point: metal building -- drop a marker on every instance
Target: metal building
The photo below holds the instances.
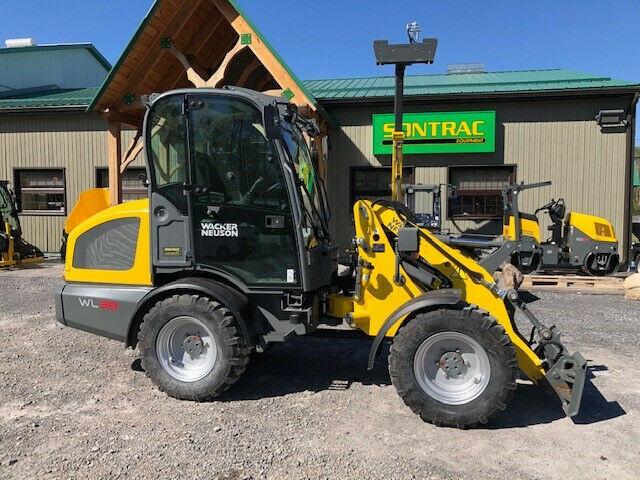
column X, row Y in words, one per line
column 539, row 125
column 572, row 128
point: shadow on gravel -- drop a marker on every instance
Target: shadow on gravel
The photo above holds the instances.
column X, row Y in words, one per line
column 309, row 364
column 532, row 405
column 317, row 364
column 595, row 408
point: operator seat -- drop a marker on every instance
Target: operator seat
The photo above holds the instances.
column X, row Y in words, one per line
column 556, row 213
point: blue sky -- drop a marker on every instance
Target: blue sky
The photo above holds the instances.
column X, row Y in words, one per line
column 332, row 38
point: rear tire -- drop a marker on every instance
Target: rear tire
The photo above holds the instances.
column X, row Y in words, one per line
column 192, row 347
column 445, row 339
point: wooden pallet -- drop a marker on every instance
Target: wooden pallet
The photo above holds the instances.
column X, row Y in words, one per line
column 573, row 284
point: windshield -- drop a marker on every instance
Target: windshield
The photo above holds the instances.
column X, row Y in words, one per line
column 301, row 158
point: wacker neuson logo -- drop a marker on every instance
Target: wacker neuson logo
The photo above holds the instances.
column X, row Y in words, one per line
column 437, row 132
column 213, row 229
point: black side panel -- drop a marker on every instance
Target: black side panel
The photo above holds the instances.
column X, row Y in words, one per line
column 109, row 246
column 170, row 234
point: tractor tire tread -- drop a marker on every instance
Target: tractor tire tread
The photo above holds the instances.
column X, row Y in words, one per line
column 476, row 412
column 235, row 363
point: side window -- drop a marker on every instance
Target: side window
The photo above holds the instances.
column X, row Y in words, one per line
column 41, row 191
column 132, row 187
column 232, row 157
column 168, row 152
column 479, row 191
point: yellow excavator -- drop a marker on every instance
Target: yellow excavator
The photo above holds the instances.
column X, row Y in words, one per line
column 15, row 251
column 231, row 252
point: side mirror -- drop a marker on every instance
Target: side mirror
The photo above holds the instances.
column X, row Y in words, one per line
column 272, row 127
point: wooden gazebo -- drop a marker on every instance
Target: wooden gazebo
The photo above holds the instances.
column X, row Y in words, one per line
column 187, row 43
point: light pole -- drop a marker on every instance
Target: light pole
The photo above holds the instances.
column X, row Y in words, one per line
column 402, row 55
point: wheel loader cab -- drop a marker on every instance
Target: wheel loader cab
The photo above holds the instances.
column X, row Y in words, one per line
column 226, row 192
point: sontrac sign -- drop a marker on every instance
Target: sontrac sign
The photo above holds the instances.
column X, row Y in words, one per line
column 437, row 132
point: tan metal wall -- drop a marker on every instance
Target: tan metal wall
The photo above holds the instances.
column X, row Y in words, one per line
column 73, row 141
column 557, row 140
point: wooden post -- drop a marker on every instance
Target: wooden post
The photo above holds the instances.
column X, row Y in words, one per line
column 114, row 147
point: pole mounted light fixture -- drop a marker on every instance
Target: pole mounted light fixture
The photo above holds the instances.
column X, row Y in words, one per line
column 402, row 55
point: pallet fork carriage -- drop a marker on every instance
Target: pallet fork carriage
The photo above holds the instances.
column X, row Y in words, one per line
column 231, row 253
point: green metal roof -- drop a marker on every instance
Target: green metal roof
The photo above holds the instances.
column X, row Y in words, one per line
column 53, row 98
column 465, row 83
column 60, row 46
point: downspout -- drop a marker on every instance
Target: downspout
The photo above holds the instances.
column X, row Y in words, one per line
column 628, row 214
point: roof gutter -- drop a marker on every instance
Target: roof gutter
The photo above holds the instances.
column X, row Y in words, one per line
column 59, row 108
column 573, row 92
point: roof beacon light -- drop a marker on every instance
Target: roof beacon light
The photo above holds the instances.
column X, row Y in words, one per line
column 414, row 30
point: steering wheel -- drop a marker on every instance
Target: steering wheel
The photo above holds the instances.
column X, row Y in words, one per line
column 546, row 206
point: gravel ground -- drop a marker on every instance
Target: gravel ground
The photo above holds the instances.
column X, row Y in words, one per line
column 74, row 405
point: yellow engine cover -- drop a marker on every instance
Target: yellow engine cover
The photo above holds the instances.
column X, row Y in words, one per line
column 530, row 228
column 596, row 228
column 114, row 266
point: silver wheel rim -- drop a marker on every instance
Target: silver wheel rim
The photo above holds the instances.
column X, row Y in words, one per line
column 186, row 349
column 452, row 368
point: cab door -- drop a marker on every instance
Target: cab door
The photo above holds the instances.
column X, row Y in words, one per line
column 242, row 221
column 168, row 160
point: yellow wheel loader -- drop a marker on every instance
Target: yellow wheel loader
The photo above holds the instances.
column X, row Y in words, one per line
column 14, row 250
column 231, row 253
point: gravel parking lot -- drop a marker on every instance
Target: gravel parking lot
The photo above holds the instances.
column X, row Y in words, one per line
column 74, row 405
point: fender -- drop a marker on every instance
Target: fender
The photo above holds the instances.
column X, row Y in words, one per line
column 231, row 298
column 445, row 296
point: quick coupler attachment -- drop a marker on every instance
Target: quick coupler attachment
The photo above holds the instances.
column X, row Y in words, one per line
column 566, row 376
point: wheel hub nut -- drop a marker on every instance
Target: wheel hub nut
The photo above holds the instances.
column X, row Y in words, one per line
column 193, row 345
column 453, row 365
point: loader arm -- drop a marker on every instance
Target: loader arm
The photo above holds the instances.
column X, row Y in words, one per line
column 381, row 305
column 380, row 297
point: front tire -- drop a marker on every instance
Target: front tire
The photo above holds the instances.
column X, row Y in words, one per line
column 454, row 368
column 192, row 347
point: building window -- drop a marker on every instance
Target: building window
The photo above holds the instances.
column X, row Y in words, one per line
column 132, row 187
column 40, row 191
column 479, row 191
column 375, row 182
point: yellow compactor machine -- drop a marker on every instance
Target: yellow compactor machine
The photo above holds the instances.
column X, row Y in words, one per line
column 231, row 253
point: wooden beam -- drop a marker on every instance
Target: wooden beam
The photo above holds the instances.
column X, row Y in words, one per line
column 253, row 65
column 217, row 78
column 125, row 118
column 265, row 81
column 192, row 75
column 135, row 147
column 276, row 92
column 215, row 81
column 264, row 54
column 178, row 21
column 114, row 148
